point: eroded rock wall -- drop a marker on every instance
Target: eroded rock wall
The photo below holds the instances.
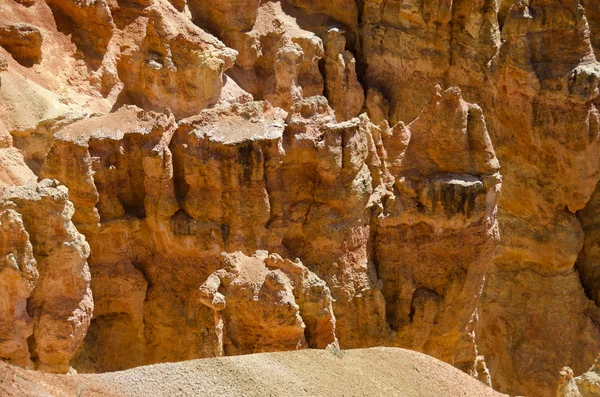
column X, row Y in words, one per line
column 46, row 269
column 274, row 175
column 246, row 177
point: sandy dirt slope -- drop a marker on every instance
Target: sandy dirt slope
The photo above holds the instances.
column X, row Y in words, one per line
column 366, row 372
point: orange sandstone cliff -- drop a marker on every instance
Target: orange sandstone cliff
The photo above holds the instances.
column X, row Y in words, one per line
column 196, row 178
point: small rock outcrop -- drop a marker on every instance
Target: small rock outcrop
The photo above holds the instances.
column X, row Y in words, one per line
column 46, row 268
column 343, row 90
column 23, row 41
column 267, row 303
column 18, row 276
column 173, row 65
column 586, row 385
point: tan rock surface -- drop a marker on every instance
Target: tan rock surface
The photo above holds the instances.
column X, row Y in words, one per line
column 89, row 22
column 585, row 385
column 186, row 129
column 175, row 65
column 38, row 226
column 277, row 61
column 344, row 92
column 546, row 135
column 267, row 303
column 410, row 46
column 18, row 276
column 23, row 42
column 3, row 63
column 448, row 203
column 13, row 169
column 235, row 178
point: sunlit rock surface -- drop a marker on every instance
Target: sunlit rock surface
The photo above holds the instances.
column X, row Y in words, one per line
column 191, row 178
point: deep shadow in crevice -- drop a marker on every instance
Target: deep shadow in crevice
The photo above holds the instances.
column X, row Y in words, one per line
column 587, row 268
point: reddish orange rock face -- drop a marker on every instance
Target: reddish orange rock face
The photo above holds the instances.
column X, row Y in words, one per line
column 190, row 178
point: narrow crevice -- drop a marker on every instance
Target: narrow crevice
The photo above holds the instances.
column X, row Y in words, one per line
column 588, row 276
column 32, row 345
column 181, row 186
column 587, row 288
column 268, row 191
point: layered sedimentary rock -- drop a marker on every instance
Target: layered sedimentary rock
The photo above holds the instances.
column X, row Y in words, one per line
column 17, row 277
column 545, row 129
column 410, row 46
column 23, row 42
column 46, row 269
column 273, row 175
column 277, row 61
column 267, row 303
column 585, row 385
column 173, row 64
column 452, row 198
column 300, row 185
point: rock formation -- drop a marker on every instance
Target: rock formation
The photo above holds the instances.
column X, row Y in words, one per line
column 343, row 90
column 275, row 175
column 173, row 64
column 46, row 279
column 23, row 42
column 586, row 385
column 19, row 274
column 268, row 303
